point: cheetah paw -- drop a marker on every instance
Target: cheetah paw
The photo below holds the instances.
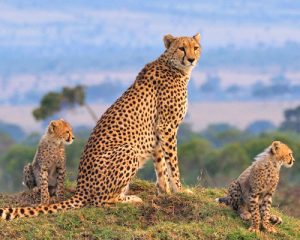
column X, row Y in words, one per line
column 133, row 199
column 254, row 229
column 245, row 216
column 269, row 229
column 276, row 220
column 162, row 191
column 186, row 190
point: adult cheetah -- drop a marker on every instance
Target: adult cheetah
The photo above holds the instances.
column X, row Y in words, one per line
column 141, row 124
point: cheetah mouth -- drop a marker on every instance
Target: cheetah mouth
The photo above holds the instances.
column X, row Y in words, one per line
column 289, row 164
column 69, row 141
column 188, row 65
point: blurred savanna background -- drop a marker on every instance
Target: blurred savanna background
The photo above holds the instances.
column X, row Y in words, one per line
column 72, row 59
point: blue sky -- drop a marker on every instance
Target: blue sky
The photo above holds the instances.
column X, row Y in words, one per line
column 240, row 23
column 45, row 45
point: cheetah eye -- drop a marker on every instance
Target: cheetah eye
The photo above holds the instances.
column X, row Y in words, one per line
column 181, row 49
column 196, row 48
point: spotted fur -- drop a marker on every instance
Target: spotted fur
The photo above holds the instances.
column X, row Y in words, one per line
column 141, row 124
column 47, row 171
column 251, row 194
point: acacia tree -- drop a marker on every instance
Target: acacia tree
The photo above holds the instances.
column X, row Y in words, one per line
column 292, row 120
column 54, row 102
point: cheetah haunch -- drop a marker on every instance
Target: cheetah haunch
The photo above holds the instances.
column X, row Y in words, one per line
column 251, row 194
column 141, row 124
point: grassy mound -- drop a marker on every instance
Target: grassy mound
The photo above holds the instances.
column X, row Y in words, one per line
column 177, row 216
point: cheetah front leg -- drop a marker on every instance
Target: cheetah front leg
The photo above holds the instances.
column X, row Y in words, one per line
column 254, row 211
column 43, row 180
column 162, row 176
column 265, row 212
column 169, row 147
column 61, row 180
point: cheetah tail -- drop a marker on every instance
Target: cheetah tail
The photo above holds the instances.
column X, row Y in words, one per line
column 18, row 212
column 225, row 200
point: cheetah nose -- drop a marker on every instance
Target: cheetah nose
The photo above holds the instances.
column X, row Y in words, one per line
column 191, row 60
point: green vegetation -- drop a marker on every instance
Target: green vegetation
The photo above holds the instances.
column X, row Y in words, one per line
column 177, row 216
column 205, row 159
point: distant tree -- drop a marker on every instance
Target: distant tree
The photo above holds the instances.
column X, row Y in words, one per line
column 280, row 86
column 50, row 104
column 76, row 96
column 185, row 133
column 54, row 102
column 292, row 120
column 233, row 89
column 222, row 133
column 280, row 79
column 192, row 157
column 233, row 159
column 212, row 84
column 32, row 139
column 12, row 164
column 5, row 142
column 260, row 126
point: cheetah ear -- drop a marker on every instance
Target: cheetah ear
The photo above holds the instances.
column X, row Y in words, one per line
column 168, row 39
column 52, row 125
column 275, row 146
column 197, row 37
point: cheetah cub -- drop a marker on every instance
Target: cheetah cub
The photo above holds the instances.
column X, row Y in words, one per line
column 251, row 193
column 47, row 171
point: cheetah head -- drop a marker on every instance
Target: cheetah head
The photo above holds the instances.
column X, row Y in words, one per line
column 282, row 153
column 61, row 130
column 183, row 52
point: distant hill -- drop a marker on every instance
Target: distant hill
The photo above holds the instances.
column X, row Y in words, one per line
column 211, row 90
column 12, row 130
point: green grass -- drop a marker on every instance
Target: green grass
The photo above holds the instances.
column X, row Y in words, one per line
column 177, row 216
